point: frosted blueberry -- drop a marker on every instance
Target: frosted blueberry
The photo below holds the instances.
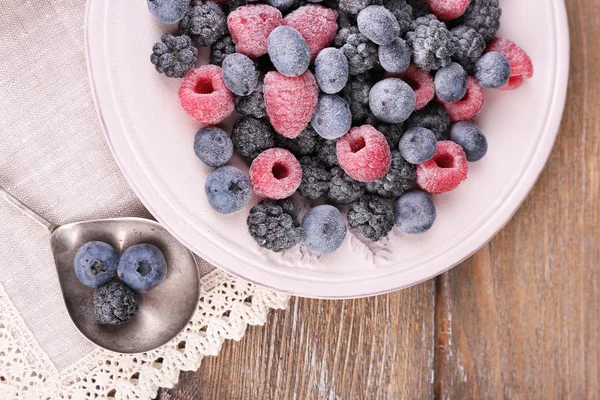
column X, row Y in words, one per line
column 240, row 74
column 394, row 57
column 227, row 189
column 492, row 70
column 415, row 212
column 392, row 100
column 288, row 51
column 451, row 83
column 332, row 118
column 331, row 70
column 418, row 145
column 378, row 24
column 281, row 4
column 168, row 11
column 470, row 138
column 213, row 146
column 325, row 229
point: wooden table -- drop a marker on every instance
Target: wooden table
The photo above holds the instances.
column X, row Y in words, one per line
column 518, row 320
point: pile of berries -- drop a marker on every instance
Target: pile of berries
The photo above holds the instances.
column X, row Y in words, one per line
column 362, row 103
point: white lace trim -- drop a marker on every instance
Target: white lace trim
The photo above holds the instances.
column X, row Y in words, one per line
column 227, row 306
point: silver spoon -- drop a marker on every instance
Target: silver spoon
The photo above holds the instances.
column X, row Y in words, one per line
column 164, row 311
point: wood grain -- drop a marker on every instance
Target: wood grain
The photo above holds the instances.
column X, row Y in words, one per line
column 518, row 320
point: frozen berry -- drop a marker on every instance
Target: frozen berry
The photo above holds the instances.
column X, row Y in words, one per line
column 371, row 216
column 227, row 189
column 394, row 57
column 356, row 94
column 392, row 133
column 433, row 117
column 331, row 70
column 431, row 43
column 250, row 27
column 213, row 146
column 358, row 49
column 288, row 51
column 174, row 56
column 114, row 303
column 492, row 70
column 281, row 4
column 392, row 100
column 364, row 154
column 332, row 118
column 252, row 105
column 315, row 178
column 251, row 136
column 521, row 67
column 400, row 177
column 343, row 189
column 327, row 152
column 302, row 145
column 422, row 84
column 470, row 138
column 469, row 106
column 469, row 45
column 419, row 7
column 204, row 96
column 204, row 22
column 317, row 24
column 142, row 267
column 275, row 174
column 484, row 17
column 451, row 83
column 353, row 6
column 403, row 13
column 220, row 49
column 447, row 10
column 168, row 11
column 445, row 171
column 240, row 74
column 289, row 117
column 95, row 263
column 274, row 225
column 378, row 24
column 325, row 229
column 415, row 212
column 418, row 145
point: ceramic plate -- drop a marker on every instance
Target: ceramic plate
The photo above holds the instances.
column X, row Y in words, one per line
column 151, row 138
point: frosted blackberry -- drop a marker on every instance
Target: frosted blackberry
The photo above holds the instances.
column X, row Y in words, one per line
column 433, row 117
column 325, row 229
column 431, row 43
column 274, row 225
column 315, row 178
column 353, row 6
column 484, row 17
column 392, row 133
column 115, row 303
column 418, row 145
column 395, row 57
column 492, row 70
column 469, row 46
column 415, row 212
column 468, row 136
column 371, row 216
column 174, row 56
column 392, row 100
column 403, row 13
column 332, row 118
column 326, row 151
column 356, row 94
column 331, row 70
column 252, row 105
column 360, row 51
column 342, row 188
column 451, row 83
column 400, row 178
column 419, row 7
column 204, row 22
column 168, row 11
column 220, row 49
column 213, row 146
column 302, row 145
column 251, row 136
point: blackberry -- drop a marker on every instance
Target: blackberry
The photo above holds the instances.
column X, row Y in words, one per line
column 371, row 216
column 431, row 43
column 343, row 189
column 399, row 179
column 392, row 133
column 251, row 136
column 274, row 225
column 484, row 17
column 356, row 94
column 220, row 49
column 433, row 117
column 315, row 178
column 174, row 56
column 115, row 303
column 204, row 22
column 419, row 8
column 302, row 145
column 326, row 151
column 403, row 13
column 469, row 46
column 252, row 105
column 360, row 51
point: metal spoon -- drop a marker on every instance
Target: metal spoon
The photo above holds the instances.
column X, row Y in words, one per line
column 164, row 311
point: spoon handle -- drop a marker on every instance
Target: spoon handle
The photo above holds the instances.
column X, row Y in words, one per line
column 26, row 210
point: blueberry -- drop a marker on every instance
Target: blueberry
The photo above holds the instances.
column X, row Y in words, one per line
column 331, row 70
column 168, row 11
column 378, row 24
column 332, row 118
column 281, row 4
column 418, row 145
column 95, row 263
column 470, row 138
column 227, row 189
column 415, row 212
column 213, row 146
column 492, row 70
column 240, row 74
column 325, row 229
column 142, row 267
column 394, row 57
column 451, row 83
column 288, row 51
column 392, row 100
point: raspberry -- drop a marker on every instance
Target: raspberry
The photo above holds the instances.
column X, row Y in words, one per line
column 422, row 84
column 204, row 96
column 445, row 171
column 521, row 67
column 290, row 102
column 447, row 10
column 250, row 27
column 469, row 106
column 317, row 24
column 275, row 174
column 433, row 117
column 364, row 154
column 274, row 225
column 371, row 216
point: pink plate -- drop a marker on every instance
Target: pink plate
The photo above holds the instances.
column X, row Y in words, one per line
column 151, row 138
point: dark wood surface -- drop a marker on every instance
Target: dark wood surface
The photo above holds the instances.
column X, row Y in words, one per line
column 519, row 320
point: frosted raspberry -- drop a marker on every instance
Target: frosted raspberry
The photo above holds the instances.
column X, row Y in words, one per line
column 275, row 174
column 521, row 67
column 447, row 10
column 445, row 171
column 421, row 82
column 363, row 153
column 204, row 96
column 290, row 101
column 317, row 25
column 469, row 106
column 250, row 27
